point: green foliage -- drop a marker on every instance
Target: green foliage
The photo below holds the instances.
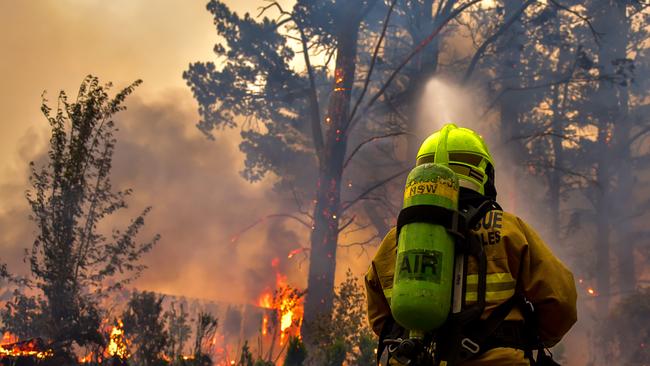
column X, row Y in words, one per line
column 254, row 80
column 145, row 326
column 22, row 316
column 296, row 352
column 346, row 335
column 366, row 355
column 336, row 352
column 71, row 261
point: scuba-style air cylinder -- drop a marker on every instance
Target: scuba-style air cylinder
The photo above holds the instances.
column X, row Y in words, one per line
column 424, row 271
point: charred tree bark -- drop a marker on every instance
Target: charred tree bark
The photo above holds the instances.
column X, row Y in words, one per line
column 324, row 236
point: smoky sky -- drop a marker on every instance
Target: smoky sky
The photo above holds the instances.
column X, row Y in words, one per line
column 200, row 202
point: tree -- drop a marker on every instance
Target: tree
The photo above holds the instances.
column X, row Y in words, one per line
column 206, row 328
column 347, row 333
column 145, row 326
column 179, row 330
column 257, row 82
column 298, row 121
column 296, row 353
column 71, row 260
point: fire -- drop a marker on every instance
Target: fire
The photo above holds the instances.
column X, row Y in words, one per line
column 8, row 338
column 117, row 346
column 294, row 252
column 87, row 358
column 286, row 305
column 591, row 291
column 266, row 301
column 11, row 347
column 265, row 324
column 286, row 321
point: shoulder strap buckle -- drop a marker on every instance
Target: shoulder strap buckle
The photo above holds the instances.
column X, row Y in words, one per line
column 470, row 346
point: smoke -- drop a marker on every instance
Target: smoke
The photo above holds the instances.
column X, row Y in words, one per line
column 199, row 203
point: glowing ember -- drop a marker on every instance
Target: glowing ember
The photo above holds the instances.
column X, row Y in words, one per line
column 591, row 291
column 338, row 76
column 87, row 358
column 294, row 252
column 117, row 346
column 8, row 338
column 10, row 347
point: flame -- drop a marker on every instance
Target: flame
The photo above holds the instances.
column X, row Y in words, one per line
column 591, row 291
column 286, row 305
column 11, row 347
column 266, row 301
column 265, row 324
column 118, row 345
column 286, row 321
column 294, row 252
column 87, row 358
column 8, row 338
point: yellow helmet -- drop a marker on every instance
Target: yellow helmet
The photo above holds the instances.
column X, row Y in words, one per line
column 469, row 157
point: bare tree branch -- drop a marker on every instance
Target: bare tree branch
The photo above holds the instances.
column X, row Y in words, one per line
column 494, row 37
column 357, row 229
column 551, row 133
column 367, row 141
column 348, row 223
column 314, row 107
column 373, row 60
column 565, row 80
column 349, row 204
column 236, row 237
column 585, row 19
column 639, row 134
column 415, row 51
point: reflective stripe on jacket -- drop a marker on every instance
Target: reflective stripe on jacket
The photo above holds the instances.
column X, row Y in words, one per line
column 517, row 258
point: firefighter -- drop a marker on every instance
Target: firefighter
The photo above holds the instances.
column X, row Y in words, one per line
column 524, row 280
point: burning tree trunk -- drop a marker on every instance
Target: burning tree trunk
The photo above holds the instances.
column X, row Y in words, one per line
column 324, row 236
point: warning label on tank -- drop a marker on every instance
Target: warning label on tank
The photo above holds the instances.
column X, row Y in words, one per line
column 419, row 265
column 440, row 187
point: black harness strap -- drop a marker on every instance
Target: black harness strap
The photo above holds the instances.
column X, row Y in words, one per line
column 464, row 335
column 455, row 346
column 390, row 330
column 451, row 220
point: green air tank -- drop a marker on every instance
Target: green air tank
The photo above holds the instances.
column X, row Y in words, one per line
column 422, row 283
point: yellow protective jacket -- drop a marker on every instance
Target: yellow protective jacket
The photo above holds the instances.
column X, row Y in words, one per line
column 517, row 258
